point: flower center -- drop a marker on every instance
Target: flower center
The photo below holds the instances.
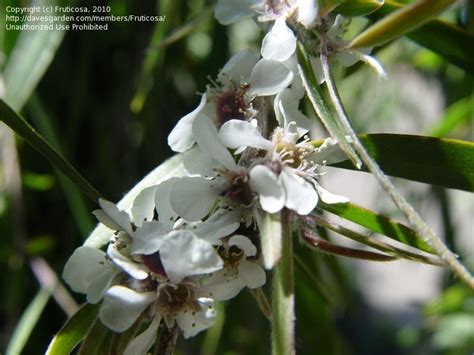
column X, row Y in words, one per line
column 239, row 190
column 231, row 257
column 175, row 298
column 231, row 105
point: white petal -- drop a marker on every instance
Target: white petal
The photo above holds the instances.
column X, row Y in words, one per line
column 181, row 137
column 329, row 197
column 244, row 244
column 237, row 133
column 143, row 208
column 137, row 271
column 269, row 77
column 286, row 110
column 86, row 265
column 166, row 213
column 193, row 197
column 328, row 153
column 301, row 196
column 265, row 183
column 238, row 68
column 122, row 306
column 100, row 283
column 221, row 287
column 147, row 239
column 183, row 254
column 112, row 217
column 143, row 342
column 252, row 273
column 220, row 224
column 196, row 162
column 230, row 11
column 280, row 43
column 307, row 12
column 206, row 136
column 191, row 324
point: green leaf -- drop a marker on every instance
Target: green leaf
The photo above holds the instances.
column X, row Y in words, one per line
column 378, row 223
column 170, row 168
column 31, row 56
column 438, row 161
column 28, row 133
column 449, row 41
column 400, row 22
column 320, row 105
column 27, row 322
column 326, row 6
column 74, row 330
column 354, row 8
column 459, row 112
column 98, row 340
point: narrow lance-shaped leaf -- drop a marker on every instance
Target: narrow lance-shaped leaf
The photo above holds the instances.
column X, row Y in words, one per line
column 400, row 22
column 322, row 109
column 31, row 56
column 74, row 330
column 354, row 8
column 27, row 322
column 29, row 134
column 449, row 41
column 439, row 161
column 378, row 223
column 98, row 340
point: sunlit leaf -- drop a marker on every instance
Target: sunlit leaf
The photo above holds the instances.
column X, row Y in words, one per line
column 400, row 22
column 73, row 331
column 31, row 56
column 377, row 223
column 439, row 161
column 449, row 41
column 27, row 322
column 354, row 8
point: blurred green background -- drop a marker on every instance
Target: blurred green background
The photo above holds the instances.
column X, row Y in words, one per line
column 107, row 101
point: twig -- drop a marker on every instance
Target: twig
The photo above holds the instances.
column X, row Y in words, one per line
column 413, row 217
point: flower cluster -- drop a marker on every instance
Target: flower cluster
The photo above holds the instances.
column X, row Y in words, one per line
column 193, row 240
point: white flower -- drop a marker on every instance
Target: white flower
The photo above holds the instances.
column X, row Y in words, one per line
column 279, row 43
column 337, row 48
column 286, row 176
column 181, row 252
column 180, row 303
column 241, row 269
column 244, row 78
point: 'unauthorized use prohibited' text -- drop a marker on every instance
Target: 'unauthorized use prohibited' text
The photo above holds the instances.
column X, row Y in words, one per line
column 68, row 18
